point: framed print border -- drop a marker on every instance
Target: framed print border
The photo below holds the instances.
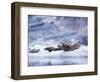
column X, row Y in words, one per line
column 16, row 41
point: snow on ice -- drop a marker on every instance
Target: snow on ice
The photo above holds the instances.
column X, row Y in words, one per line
column 45, row 58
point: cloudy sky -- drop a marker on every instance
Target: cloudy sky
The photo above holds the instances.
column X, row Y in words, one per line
column 57, row 29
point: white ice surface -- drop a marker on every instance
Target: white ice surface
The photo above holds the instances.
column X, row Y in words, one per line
column 45, row 58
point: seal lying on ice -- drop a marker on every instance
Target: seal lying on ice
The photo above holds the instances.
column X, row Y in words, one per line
column 64, row 46
column 34, row 50
column 69, row 47
column 52, row 49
